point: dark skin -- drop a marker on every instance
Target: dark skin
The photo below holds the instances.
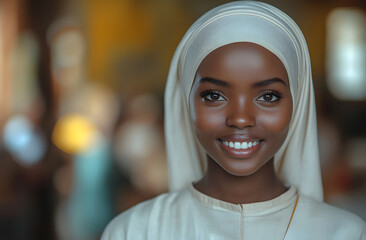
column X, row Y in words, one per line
column 241, row 108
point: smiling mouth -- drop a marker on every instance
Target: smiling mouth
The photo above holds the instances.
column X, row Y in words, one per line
column 240, row 145
column 240, row 149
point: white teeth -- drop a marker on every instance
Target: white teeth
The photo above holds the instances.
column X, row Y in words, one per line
column 240, row 145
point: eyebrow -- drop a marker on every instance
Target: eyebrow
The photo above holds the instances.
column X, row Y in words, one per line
column 215, row 81
column 269, row 82
column 257, row 84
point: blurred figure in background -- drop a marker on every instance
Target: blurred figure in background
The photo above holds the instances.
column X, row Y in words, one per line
column 140, row 148
column 87, row 115
column 28, row 160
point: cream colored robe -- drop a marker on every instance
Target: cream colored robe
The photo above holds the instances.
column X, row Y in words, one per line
column 189, row 214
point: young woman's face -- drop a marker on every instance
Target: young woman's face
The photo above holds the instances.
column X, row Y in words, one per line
column 241, row 106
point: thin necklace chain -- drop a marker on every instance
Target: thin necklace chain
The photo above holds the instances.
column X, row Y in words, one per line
column 292, row 215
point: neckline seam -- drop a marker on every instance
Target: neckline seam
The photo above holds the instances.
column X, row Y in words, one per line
column 265, row 207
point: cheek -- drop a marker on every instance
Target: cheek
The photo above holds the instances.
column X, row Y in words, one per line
column 208, row 119
column 277, row 122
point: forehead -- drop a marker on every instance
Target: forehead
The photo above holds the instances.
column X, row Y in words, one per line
column 242, row 59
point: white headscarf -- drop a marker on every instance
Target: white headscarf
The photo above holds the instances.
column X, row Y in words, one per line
column 297, row 161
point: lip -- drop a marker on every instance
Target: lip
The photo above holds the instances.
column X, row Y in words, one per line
column 251, row 145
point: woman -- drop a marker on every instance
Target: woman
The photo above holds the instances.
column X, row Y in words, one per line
column 241, row 137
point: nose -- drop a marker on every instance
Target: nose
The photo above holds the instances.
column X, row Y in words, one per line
column 240, row 114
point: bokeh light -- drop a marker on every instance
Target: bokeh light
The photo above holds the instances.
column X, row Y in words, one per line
column 74, row 133
column 346, row 55
column 23, row 140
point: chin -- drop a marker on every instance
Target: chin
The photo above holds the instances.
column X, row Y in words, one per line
column 238, row 170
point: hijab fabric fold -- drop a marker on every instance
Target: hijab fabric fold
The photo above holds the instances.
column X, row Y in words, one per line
column 297, row 161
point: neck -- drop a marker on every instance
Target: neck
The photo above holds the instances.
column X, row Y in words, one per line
column 260, row 186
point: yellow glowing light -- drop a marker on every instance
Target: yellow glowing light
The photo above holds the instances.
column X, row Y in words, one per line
column 73, row 133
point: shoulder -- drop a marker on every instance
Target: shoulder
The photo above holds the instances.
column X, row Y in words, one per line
column 138, row 221
column 322, row 210
column 325, row 219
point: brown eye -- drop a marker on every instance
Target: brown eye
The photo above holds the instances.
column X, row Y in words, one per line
column 212, row 96
column 270, row 97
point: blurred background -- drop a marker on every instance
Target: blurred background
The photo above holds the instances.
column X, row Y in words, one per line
column 81, row 106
